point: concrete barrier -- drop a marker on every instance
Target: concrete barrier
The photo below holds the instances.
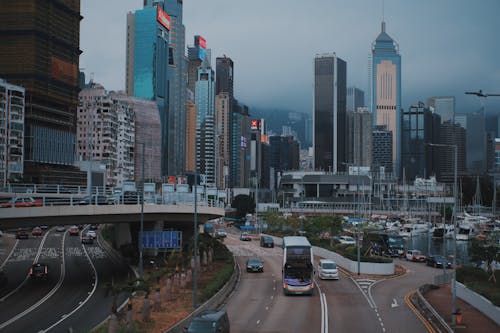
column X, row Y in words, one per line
column 479, row 302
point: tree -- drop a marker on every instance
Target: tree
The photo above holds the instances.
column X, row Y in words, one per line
column 487, row 250
column 243, row 204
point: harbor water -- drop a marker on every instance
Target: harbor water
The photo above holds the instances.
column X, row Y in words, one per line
column 429, row 245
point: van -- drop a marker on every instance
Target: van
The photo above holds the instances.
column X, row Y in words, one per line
column 209, row 321
column 266, row 241
column 327, row 269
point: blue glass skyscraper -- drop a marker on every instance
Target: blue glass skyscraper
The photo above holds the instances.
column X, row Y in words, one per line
column 385, row 89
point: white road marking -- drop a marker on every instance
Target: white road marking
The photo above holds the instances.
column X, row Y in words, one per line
column 394, row 304
column 10, row 254
column 258, row 322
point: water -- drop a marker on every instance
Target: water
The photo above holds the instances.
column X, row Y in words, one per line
column 438, row 246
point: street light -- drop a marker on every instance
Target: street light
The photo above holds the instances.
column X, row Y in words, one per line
column 454, row 274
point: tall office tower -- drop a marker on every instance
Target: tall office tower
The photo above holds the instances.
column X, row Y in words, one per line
column 329, row 113
column 224, row 68
column 190, row 131
column 385, row 89
column 240, row 170
column 205, row 124
column 382, row 149
column 147, row 65
column 284, row 154
column 451, row 134
column 177, row 81
column 355, row 99
column 198, row 55
column 259, row 155
column 419, row 128
column 444, row 106
column 476, row 144
column 106, row 133
column 359, row 137
column 497, row 154
column 223, row 136
column 40, row 52
column 12, row 101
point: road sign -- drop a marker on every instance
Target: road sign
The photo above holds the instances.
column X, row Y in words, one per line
column 161, row 239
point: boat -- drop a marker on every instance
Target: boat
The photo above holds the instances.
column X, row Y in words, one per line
column 465, row 231
column 413, row 229
column 442, row 230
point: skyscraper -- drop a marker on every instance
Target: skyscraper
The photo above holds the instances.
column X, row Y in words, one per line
column 223, row 136
column 359, row 137
column 355, row 99
column 444, row 106
column 382, row 149
column 147, row 64
column 451, row 134
column 177, row 80
column 205, row 124
column 224, row 68
column 40, row 51
column 385, row 89
column 329, row 113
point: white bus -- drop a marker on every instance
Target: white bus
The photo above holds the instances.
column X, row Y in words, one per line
column 297, row 270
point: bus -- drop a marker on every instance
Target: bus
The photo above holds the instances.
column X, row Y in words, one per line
column 297, row 269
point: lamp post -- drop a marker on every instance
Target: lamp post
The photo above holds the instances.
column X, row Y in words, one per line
column 454, row 273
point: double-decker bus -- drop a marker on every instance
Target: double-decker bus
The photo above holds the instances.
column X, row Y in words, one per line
column 297, row 266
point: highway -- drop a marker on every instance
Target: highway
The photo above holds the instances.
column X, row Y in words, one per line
column 74, row 295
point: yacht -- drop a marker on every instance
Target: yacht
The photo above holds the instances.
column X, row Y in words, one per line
column 465, row 231
column 442, row 230
column 413, row 229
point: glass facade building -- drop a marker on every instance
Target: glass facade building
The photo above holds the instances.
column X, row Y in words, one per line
column 444, row 106
column 329, row 113
column 385, row 89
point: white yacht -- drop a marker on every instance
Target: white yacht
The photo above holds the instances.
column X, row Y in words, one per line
column 465, row 231
column 413, row 229
column 442, row 230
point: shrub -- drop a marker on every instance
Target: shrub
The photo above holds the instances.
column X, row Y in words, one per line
column 219, row 280
column 476, row 279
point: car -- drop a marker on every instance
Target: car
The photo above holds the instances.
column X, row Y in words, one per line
column 327, row 269
column 44, row 227
column 98, row 199
column 415, row 255
column 94, row 226
column 92, row 233
column 1, row 233
column 22, row 202
column 436, row 260
column 39, row 271
column 37, row 231
column 266, row 241
column 347, row 240
column 87, row 239
column 255, row 265
column 245, row 236
column 22, row 233
column 74, row 231
column 209, row 321
column 60, row 228
column 220, row 233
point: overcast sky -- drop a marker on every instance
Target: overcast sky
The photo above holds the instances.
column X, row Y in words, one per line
column 446, row 46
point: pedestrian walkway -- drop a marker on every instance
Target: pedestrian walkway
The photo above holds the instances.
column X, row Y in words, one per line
column 472, row 319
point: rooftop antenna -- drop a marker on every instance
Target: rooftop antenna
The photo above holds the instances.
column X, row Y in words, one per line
column 383, row 10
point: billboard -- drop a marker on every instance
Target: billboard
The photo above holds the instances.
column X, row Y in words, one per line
column 255, row 124
column 64, row 71
column 163, row 18
column 202, row 42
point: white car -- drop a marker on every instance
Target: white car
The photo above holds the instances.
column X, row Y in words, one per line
column 92, row 234
column 347, row 240
column 327, row 269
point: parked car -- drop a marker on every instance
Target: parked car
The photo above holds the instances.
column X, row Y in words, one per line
column 255, row 265
column 327, row 269
column 39, row 271
column 74, row 231
column 415, row 255
column 220, row 233
column 37, row 231
column 347, row 240
column 209, row 321
column 266, row 241
column 22, row 233
column 437, row 261
column 245, row 236
column 22, row 202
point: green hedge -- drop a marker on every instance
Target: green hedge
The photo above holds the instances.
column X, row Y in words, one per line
column 476, row 279
column 349, row 251
column 219, row 280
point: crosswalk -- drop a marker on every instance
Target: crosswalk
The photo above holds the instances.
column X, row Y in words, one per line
column 365, row 284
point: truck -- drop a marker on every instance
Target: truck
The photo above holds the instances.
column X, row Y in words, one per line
column 384, row 243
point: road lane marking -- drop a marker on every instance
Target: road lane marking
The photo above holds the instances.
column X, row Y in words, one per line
column 394, row 304
column 94, row 284
column 10, row 254
column 45, row 298
column 258, row 322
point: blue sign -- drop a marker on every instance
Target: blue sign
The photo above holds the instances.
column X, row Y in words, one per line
column 161, row 239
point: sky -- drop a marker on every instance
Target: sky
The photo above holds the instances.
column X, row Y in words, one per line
column 447, row 47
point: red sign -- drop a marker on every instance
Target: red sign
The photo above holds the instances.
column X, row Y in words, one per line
column 171, row 179
column 163, row 18
column 254, row 124
column 202, row 42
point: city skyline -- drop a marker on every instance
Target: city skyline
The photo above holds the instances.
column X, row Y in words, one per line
column 441, row 55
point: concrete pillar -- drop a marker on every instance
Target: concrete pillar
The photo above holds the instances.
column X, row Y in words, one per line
column 152, row 226
column 122, row 234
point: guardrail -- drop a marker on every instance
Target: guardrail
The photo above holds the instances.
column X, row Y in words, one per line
column 428, row 311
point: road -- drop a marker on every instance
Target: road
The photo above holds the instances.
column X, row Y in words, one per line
column 75, row 293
